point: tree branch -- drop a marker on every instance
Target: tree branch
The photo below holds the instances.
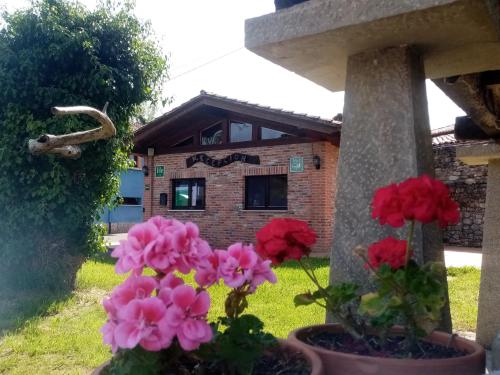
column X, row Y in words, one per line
column 65, row 144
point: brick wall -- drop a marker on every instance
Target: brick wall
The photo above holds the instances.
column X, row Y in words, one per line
column 468, row 187
column 311, row 193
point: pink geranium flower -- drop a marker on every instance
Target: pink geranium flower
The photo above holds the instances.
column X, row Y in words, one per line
column 162, row 255
column 260, row 273
column 130, row 253
column 192, row 250
column 108, row 335
column 167, row 285
column 142, row 322
column 187, row 317
column 234, row 262
column 135, row 287
column 207, row 273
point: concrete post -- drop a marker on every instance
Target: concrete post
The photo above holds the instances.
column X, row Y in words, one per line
column 488, row 319
column 385, row 138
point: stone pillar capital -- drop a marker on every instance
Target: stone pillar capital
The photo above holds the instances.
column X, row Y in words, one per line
column 479, row 153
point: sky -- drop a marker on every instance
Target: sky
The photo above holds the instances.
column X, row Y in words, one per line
column 205, row 42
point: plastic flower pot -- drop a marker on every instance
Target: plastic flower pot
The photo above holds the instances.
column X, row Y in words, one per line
column 336, row 363
column 312, row 358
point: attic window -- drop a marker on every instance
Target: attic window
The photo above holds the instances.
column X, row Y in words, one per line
column 187, row 142
column 212, row 135
column 240, row 132
column 266, row 133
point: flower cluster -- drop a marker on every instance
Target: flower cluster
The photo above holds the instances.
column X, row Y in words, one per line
column 407, row 293
column 389, row 251
column 284, row 239
column 423, row 199
column 151, row 311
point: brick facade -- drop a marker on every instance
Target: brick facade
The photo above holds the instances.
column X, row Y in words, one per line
column 468, row 187
column 224, row 220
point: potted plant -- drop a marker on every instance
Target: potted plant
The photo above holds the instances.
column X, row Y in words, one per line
column 390, row 330
column 157, row 321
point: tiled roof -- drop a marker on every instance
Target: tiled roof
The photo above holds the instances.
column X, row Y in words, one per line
column 271, row 109
column 444, row 136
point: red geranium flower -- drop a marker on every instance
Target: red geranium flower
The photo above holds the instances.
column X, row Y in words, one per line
column 389, row 251
column 421, row 198
column 284, row 239
column 386, row 205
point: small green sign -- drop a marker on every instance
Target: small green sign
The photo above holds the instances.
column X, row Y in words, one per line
column 160, row 171
column 296, row 164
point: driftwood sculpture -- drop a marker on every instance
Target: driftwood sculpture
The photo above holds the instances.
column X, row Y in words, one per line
column 65, row 145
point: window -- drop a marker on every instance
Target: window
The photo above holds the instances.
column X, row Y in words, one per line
column 188, row 194
column 138, row 161
column 131, row 201
column 187, row 142
column 266, row 133
column 212, row 135
column 266, row 192
column 240, row 132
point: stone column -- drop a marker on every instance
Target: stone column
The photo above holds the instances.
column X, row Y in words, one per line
column 488, row 318
column 385, row 138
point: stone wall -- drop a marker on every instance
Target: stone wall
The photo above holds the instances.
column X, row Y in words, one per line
column 468, row 187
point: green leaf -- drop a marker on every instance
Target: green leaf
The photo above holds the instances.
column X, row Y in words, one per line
column 303, row 299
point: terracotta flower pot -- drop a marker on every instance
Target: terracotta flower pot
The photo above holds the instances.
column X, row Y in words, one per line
column 312, row 358
column 336, row 363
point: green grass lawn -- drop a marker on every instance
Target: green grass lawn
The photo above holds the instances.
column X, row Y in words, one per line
column 66, row 338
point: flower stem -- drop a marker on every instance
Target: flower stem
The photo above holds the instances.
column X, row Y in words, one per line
column 409, row 241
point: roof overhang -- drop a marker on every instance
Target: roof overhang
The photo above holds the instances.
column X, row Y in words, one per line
column 176, row 120
column 315, row 38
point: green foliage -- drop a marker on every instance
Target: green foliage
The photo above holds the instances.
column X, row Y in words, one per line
column 240, row 345
column 334, row 295
column 59, row 53
column 134, row 361
column 412, row 296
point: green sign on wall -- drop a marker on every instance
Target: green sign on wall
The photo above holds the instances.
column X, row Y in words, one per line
column 296, row 164
column 160, row 171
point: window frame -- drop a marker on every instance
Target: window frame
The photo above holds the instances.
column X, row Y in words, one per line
column 267, row 192
column 223, row 135
column 231, row 122
column 261, row 129
column 190, row 192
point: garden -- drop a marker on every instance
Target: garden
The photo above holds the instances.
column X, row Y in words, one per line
column 165, row 301
column 65, row 338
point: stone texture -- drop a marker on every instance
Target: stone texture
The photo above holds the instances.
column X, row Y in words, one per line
column 467, row 184
column 315, row 39
column 488, row 320
column 385, row 138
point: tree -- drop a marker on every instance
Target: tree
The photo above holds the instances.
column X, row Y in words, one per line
column 58, row 53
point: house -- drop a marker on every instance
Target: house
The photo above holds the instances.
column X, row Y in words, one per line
column 231, row 166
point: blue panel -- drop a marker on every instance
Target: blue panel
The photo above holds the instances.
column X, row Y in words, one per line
column 132, row 186
column 132, row 183
column 127, row 214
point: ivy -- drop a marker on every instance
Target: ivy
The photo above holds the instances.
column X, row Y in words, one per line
column 58, row 52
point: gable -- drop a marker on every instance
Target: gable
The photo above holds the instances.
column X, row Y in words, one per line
column 208, row 123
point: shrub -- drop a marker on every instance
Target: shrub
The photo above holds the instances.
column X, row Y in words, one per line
column 59, row 53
